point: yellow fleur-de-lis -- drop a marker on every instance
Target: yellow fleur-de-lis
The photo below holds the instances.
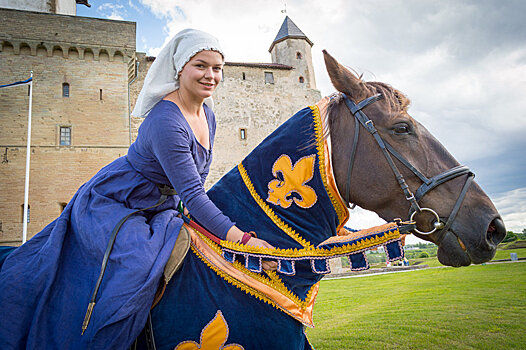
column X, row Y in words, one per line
column 294, row 180
column 213, row 337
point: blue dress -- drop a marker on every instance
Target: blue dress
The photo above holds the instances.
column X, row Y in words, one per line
column 46, row 284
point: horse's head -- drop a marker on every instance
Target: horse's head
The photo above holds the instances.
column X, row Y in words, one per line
column 469, row 237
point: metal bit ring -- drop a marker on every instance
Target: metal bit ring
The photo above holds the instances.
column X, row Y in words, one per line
column 437, row 224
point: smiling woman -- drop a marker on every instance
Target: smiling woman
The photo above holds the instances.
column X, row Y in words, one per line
column 119, row 229
column 198, row 79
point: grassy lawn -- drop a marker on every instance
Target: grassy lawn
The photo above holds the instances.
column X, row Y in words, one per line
column 505, row 254
column 500, row 254
column 475, row 307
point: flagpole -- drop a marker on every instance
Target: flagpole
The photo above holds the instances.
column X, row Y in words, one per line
column 26, row 188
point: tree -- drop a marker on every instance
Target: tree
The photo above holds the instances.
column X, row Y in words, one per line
column 423, row 255
column 510, row 237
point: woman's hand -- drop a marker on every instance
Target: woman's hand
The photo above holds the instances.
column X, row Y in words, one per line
column 236, row 235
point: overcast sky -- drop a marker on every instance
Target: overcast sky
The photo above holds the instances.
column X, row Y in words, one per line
column 462, row 63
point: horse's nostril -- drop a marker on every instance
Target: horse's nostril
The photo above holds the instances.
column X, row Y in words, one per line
column 496, row 231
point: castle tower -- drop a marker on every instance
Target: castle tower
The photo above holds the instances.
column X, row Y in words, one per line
column 291, row 47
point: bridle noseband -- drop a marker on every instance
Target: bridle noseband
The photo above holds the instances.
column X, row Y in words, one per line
column 388, row 150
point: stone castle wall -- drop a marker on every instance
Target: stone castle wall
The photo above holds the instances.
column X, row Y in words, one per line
column 243, row 101
column 93, row 55
column 255, row 106
column 66, row 7
column 96, row 109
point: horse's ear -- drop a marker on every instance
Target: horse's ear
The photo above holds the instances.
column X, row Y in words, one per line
column 343, row 80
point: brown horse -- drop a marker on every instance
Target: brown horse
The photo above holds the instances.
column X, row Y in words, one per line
column 255, row 309
column 477, row 229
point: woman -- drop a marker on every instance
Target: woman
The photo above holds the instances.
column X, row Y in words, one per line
column 46, row 284
column 182, row 117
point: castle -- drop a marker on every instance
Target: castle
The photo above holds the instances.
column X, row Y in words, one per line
column 86, row 77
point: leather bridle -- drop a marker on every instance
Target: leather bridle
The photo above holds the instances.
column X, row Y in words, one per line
column 428, row 183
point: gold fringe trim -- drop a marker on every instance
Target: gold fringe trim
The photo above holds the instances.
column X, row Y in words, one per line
column 270, row 213
column 275, row 282
column 340, row 209
column 313, row 251
column 233, row 281
column 275, row 278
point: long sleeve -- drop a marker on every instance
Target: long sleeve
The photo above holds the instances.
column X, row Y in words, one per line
column 171, row 142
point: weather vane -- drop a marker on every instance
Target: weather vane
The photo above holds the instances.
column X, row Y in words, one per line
column 284, row 8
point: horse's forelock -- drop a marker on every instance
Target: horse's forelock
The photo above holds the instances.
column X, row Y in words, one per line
column 398, row 102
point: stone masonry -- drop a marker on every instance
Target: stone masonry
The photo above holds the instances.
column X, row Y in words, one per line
column 97, row 58
column 90, row 55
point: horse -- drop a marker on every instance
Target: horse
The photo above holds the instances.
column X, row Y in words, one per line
column 293, row 190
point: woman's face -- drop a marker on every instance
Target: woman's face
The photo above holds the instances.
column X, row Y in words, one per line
column 201, row 75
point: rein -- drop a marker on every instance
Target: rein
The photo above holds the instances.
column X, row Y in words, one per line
column 428, row 183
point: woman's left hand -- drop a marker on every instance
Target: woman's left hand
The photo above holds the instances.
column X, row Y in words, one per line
column 236, row 235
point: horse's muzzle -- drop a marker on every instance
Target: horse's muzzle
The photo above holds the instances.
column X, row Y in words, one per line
column 453, row 251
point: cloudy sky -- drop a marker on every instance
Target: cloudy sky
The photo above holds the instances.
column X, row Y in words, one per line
column 462, row 63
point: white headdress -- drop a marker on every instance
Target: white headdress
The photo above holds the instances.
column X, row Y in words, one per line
column 162, row 77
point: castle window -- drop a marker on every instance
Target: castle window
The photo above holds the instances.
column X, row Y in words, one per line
column 65, row 136
column 242, row 134
column 244, row 77
column 301, row 80
column 269, row 78
column 298, row 55
column 100, row 94
column 65, row 90
column 62, row 206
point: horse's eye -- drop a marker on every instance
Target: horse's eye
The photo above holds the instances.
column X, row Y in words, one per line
column 401, row 129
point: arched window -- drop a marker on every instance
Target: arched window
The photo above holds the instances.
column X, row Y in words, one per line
column 298, row 55
column 301, row 80
column 65, row 90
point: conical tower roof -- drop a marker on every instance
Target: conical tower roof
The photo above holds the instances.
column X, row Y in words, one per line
column 289, row 30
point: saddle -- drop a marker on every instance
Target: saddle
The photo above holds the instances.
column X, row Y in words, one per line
column 179, row 251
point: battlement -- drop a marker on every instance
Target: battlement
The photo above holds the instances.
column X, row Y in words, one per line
column 66, row 35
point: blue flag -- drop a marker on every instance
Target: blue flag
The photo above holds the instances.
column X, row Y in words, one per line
column 17, row 83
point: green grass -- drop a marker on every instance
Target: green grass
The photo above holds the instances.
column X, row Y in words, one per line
column 505, row 254
column 475, row 307
column 500, row 254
